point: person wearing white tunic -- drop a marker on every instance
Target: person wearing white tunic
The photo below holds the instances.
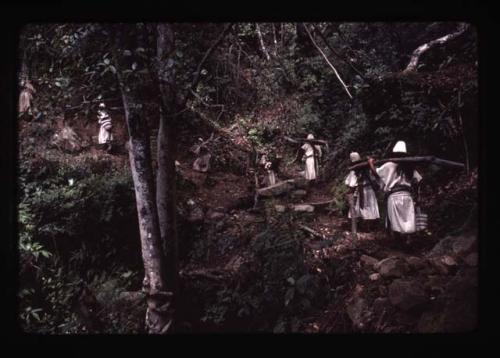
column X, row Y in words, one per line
column 104, row 120
column 361, row 183
column 270, row 178
column 396, row 180
column 26, row 99
column 311, row 158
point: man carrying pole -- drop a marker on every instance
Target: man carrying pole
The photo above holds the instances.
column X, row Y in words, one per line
column 397, row 180
column 361, row 195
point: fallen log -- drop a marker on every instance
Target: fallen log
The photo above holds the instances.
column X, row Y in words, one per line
column 429, row 159
column 321, row 203
column 312, row 232
column 276, row 189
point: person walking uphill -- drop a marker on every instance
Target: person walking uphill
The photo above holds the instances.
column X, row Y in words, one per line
column 105, row 136
column 397, row 180
column 311, row 157
column 362, row 185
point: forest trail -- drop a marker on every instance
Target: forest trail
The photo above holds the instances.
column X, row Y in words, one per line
column 362, row 274
column 355, row 275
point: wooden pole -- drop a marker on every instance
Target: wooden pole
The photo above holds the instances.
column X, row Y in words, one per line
column 304, row 140
column 430, row 159
column 354, row 229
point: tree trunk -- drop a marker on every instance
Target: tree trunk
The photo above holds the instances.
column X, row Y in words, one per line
column 275, row 51
column 158, row 312
column 261, row 40
column 415, row 57
column 165, row 180
column 158, row 300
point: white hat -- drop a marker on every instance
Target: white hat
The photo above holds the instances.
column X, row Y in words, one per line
column 310, row 136
column 355, row 156
column 400, row 147
column 102, row 105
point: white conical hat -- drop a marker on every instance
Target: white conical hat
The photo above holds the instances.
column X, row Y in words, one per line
column 310, row 136
column 400, row 147
column 355, row 156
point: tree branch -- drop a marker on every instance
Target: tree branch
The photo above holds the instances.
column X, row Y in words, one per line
column 261, row 40
column 196, row 78
column 415, row 57
column 336, row 53
column 327, row 61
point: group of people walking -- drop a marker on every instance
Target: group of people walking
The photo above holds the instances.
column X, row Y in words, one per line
column 395, row 180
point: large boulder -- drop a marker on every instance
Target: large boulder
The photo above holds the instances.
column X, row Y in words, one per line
column 299, row 182
column 303, row 208
column 368, row 261
column 405, row 294
column 464, row 244
column 298, row 194
column 455, row 310
column 454, row 245
column 357, row 307
column 443, row 247
column 356, row 310
column 280, row 208
column 392, row 267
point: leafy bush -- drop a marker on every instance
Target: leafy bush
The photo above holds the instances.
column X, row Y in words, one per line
column 75, row 230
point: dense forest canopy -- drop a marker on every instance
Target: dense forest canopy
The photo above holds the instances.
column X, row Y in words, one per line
column 241, row 90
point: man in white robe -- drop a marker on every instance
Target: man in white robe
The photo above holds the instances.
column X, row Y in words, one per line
column 105, row 126
column 312, row 154
column 396, row 183
column 202, row 163
column 270, row 177
column 361, row 184
column 26, row 99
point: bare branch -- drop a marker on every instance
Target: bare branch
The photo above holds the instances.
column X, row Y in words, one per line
column 261, row 40
column 327, row 61
column 275, row 41
column 196, row 78
column 415, row 57
column 336, row 53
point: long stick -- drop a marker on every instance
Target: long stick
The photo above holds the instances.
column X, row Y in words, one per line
column 327, row 61
column 463, row 134
column 304, row 140
column 430, row 158
column 354, row 229
column 325, row 40
column 312, row 232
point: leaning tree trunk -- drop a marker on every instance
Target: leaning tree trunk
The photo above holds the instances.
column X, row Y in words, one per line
column 166, row 182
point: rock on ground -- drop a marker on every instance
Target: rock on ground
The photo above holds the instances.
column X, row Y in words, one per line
column 392, row 267
column 405, row 294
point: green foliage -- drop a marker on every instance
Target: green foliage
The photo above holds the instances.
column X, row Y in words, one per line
column 75, row 229
column 275, row 288
column 338, row 192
